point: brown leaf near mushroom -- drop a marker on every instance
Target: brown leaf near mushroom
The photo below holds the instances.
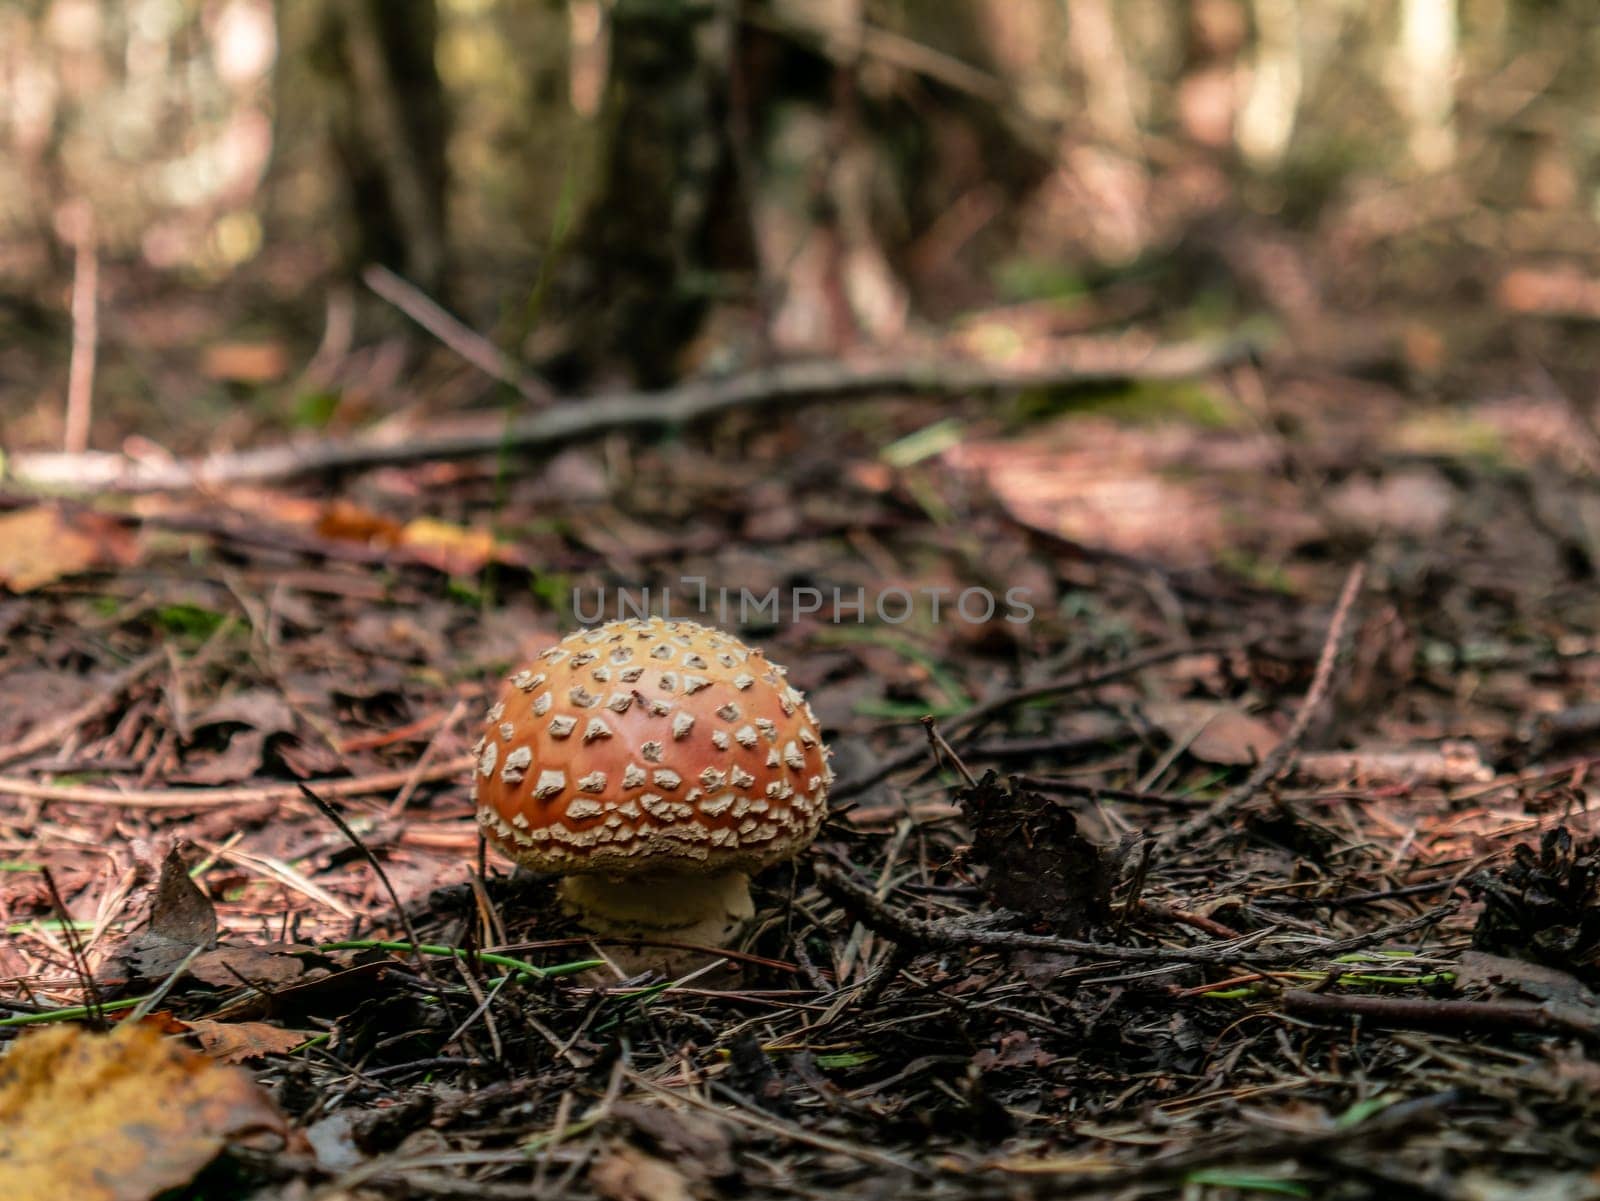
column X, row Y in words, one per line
column 655, row 764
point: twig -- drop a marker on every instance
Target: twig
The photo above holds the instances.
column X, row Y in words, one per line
column 334, row 816
column 1277, row 760
column 942, row 748
column 466, row 342
column 1077, row 682
column 779, row 388
column 409, row 788
column 878, row 916
column 85, row 334
column 204, row 798
column 863, row 905
column 1419, row 1014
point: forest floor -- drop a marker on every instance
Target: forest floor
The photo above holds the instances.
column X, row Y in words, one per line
column 1284, row 882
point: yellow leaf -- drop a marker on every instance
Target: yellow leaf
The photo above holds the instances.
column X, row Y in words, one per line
column 449, row 548
column 123, row 1116
column 38, row 545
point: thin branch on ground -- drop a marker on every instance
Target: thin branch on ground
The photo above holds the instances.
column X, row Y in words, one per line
column 878, row 916
column 1546, row 1017
column 1278, row 759
column 779, row 388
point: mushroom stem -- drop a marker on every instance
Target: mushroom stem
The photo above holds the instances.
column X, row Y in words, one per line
column 706, row 909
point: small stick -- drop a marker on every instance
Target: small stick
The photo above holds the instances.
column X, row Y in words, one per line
column 468, row 343
column 332, row 815
column 1277, row 760
column 1545, row 1018
column 85, row 332
column 409, row 788
column 782, row 389
column 940, row 747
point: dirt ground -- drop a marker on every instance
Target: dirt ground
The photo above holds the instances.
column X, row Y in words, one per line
column 1257, row 861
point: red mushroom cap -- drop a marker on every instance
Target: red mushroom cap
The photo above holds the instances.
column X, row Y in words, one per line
column 651, row 747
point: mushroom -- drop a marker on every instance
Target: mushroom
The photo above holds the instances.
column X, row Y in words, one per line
column 655, row 765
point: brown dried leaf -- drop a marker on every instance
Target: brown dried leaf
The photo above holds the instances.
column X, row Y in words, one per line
column 625, row 1174
column 228, row 967
column 123, row 1116
column 1479, row 968
column 1227, row 735
column 31, row 696
column 246, row 362
column 234, row 1042
column 1039, row 865
column 181, row 919
column 700, row 1143
column 1015, row 1050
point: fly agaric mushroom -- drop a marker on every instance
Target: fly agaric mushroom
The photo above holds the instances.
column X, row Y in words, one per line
column 655, row 764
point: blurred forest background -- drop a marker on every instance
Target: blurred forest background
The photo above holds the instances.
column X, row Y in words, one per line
column 639, row 190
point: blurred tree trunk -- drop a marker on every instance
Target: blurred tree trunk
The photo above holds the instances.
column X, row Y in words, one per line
column 652, row 234
column 387, row 128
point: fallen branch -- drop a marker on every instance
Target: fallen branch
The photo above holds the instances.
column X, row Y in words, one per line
column 778, row 388
column 1545, row 1017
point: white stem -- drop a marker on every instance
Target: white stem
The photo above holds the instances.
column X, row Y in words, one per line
column 702, row 909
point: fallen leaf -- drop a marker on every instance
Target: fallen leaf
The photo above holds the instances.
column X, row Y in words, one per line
column 246, row 362
column 33, row 695
column 700, row 1143
column 234, row 1042
column 1216, row 733
column 625, row 1174
column 1563, row 291
column 1039, row 865
column 231, row 967
column 123, row 1116
column 451, row 549
column 182, row 918
column 262, row 713
column 1418, row 503
column 349, row 522
column 45, row 543
column 1014, row 1050
column 1546, row 983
